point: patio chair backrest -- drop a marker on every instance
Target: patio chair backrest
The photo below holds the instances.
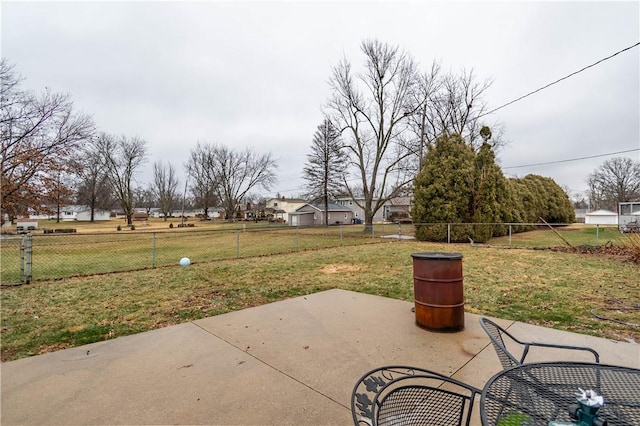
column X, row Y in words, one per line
column 398, row 395
column 504, row 344
column 497, row 336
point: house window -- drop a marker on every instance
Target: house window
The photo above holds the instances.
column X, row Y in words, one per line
column 275, row 204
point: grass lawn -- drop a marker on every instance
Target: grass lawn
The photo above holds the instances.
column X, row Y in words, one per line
column 560, row 290
column 576, row 235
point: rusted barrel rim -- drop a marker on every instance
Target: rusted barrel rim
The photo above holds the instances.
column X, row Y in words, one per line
column 437, row 256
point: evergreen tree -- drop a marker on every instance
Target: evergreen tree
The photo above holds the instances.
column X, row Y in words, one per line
column 443, row 190
column 550, row 203
column 325, row 166
column 458, row 185
column 487, row 185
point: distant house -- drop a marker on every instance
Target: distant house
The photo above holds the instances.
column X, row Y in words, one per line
column 601, row 217
column 67, row 213
column 581, row 215
column 284, row 206
column 98, row 215
column 275, row 214
column 398, row 208
column 313, row 215
column 216, row 213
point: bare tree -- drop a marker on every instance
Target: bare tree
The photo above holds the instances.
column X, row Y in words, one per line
column 256, row 205
column 235, row 173
column 92, row 188
column 616, row 180
column 165, row 186
column 122, row 158
column 372, row 110
column 427, row 86
column 456, row 108
column 38, row 134
column 145, row 198
column 201, row 186
column 325, row 166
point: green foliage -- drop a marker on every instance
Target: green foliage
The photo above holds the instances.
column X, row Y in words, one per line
column 443, row 189
column 547, row 200
column 458, row 185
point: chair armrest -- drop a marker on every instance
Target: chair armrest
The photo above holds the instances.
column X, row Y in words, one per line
column 556, row 346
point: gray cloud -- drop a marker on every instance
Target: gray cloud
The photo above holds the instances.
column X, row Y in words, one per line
column 255, row 73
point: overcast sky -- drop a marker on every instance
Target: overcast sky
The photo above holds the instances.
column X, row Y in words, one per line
column 256, row 73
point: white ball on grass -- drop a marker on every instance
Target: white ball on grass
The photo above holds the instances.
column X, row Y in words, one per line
column 185, row 261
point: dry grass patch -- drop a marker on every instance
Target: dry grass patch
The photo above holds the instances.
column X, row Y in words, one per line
column 341, row 268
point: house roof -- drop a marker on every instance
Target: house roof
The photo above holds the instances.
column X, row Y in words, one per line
column 288, row 200
column 320, row 207
column 602, row 213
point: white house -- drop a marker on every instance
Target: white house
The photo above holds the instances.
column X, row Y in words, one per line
column 98, row 215
column 601, row 217
column 285, row 206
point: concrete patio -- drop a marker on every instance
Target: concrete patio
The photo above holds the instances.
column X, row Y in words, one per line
column 289, row 362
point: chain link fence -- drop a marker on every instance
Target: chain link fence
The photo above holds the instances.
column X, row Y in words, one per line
column 47, row 256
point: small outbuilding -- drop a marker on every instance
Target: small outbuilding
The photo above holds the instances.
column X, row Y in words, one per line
column 601, row 217
column 26, row 224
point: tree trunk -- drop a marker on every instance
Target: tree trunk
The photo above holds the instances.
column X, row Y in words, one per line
column 326, row 209
column 368, row 221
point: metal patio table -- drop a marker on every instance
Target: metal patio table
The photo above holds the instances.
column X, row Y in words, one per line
column 537, row 393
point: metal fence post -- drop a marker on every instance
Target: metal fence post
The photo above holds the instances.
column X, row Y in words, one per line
column 597, row 235
column 153, row 250
column 28, row 251
column 22, row 257
column 237, row 243
column 399, row 231
column 448, row 233
column 509, row 235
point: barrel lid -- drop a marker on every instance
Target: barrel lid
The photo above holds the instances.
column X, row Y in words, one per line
column 437, row 256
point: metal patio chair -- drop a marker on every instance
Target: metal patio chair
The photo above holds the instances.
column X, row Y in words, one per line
column 401, row 395
column 499, row 336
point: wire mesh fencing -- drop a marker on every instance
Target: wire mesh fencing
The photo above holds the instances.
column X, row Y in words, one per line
column 47, row 256
column 51, row 256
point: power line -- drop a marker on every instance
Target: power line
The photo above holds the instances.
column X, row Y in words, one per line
column 558, row 81
column 572, row 159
